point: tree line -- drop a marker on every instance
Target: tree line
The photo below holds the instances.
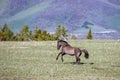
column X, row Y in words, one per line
column 25, row 34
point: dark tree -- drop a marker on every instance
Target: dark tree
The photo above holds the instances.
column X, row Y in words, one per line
column 61, row 32
column 7, row 33
column 89, row 36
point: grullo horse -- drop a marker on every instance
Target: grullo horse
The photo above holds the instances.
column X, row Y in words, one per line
column 68, row 49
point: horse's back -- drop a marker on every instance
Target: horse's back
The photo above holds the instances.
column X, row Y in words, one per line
column 69, row 50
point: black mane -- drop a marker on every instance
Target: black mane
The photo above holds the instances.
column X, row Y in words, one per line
column 63, row 41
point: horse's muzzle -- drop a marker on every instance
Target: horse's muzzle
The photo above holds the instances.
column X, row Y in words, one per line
column 58, row 47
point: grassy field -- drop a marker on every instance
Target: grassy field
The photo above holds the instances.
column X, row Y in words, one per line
column 37, row 61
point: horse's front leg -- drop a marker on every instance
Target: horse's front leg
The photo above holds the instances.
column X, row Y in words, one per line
column 58, row 55
column 62, row 56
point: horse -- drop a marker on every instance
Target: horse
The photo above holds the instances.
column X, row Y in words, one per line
column 69, row 50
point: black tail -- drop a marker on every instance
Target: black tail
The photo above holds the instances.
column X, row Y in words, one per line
column 86, row 53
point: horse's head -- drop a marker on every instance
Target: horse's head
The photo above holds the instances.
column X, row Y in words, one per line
column 61, row 43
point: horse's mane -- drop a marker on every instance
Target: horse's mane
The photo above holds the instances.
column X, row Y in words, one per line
column 64, row 41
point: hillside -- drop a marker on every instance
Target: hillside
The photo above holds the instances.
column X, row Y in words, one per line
column 47, row 14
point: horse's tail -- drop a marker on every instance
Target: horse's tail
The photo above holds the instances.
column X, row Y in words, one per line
column 86, row 53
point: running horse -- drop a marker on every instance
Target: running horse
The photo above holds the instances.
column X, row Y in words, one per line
column 69, row 50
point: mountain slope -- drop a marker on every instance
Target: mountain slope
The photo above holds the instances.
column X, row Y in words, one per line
column 47, row 14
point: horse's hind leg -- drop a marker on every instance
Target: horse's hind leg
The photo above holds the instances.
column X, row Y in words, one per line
column 77, row 60
column 78, row 57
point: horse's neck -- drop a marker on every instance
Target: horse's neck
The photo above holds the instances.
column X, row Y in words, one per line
column 67, row 45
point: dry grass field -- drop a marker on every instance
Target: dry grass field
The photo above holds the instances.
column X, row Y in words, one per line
column 37, row 61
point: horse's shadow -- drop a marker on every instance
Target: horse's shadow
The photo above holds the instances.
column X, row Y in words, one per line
column 81, row 63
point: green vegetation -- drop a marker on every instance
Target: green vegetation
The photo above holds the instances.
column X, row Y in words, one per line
column 37, row 61
column 6, row 33
column 61, row 31
column 25, row 34
column 73, row 37
column 89, row 36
